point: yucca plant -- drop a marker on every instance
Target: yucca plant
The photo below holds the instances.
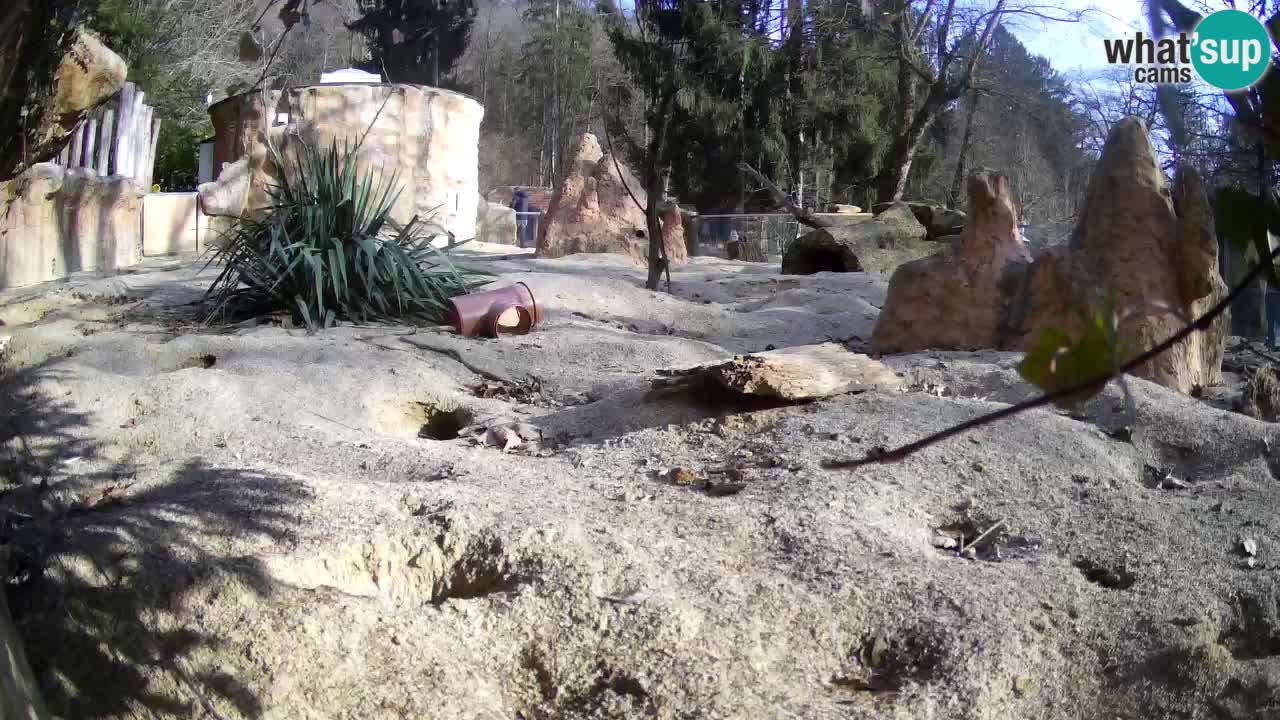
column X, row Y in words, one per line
column 326, row 249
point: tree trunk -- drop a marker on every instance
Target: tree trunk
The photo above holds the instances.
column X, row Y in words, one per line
column 654, row 165
column 966, row 142
column 892, row 184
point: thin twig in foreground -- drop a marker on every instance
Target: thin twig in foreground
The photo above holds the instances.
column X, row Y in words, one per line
column 982, row 537
column 1201, row 323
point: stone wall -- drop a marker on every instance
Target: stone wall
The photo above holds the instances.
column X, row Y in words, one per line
column 426, row 138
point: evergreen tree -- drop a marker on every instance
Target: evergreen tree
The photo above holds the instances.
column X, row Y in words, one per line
column 557, row 78
column 414, row 41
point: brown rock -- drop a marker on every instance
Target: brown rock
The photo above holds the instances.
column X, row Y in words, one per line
column 598, row 208
column 1154, row 253
column 953, row 299
column 673, row 235
column 806, row 372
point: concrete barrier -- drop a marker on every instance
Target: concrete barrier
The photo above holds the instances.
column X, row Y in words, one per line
column 172, row 224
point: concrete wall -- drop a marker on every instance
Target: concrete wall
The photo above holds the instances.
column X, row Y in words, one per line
column 172, row 224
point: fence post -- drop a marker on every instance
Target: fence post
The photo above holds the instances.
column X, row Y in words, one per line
column 151, row 150
column 105, row 141
column 77, row 146
column 90, row 144
column 123, row 124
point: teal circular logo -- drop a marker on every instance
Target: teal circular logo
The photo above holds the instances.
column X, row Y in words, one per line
column 1232, row 49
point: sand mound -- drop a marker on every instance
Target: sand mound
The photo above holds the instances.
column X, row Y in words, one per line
column 300, row 535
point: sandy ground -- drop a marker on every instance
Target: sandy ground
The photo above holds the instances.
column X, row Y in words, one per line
column 261, row 523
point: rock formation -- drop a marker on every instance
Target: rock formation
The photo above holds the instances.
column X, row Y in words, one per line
column 87, row 74
column 598, row 208
column 62, row 220
column 878, row 245
column 428, row 137
column 1153, row 251
column 938, row 220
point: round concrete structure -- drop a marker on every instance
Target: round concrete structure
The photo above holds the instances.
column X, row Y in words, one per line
column 426, row 139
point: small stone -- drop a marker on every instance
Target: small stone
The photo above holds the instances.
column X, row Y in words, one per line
column 943, row 542
column 1021, row 684
column 1251, row 563
column 969, row 553
column 1249, row 546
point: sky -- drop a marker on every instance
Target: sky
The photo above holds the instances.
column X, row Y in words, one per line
column 1075, row 49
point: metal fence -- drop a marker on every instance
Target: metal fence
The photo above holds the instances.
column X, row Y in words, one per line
column 773, row 231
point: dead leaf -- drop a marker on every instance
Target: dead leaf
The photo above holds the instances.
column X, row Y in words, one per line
column 104, row 495
column 682, row 477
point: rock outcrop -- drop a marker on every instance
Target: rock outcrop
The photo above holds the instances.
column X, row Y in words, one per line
column 878, row 245
column 1153, row 251
column 938, row 220
column 87, row 74
column 598, row 208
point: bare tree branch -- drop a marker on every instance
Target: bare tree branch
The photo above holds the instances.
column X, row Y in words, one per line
column 803, row 216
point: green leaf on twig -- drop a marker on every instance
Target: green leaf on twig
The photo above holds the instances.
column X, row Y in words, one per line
column 1055, row 362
